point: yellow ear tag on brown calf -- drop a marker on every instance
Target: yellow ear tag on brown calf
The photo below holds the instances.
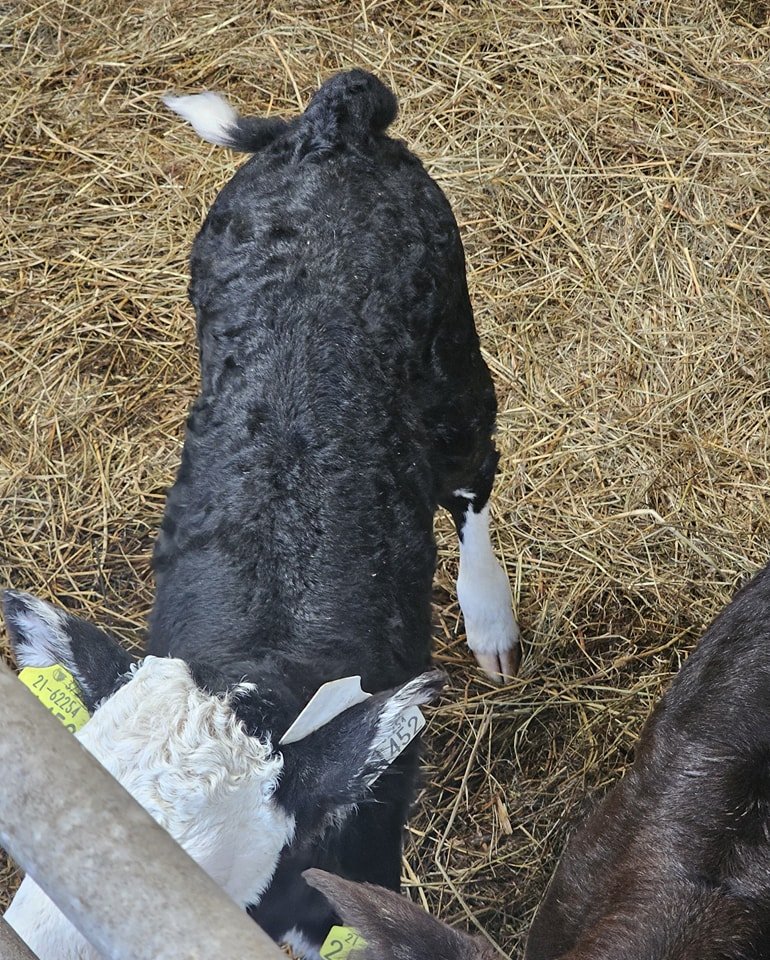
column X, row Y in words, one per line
column 57, row 690
column 341, row 943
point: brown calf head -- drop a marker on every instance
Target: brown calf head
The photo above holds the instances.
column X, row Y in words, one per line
column 395, row 928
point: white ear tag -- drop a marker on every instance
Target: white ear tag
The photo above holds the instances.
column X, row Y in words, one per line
column 327, row 702
column 403, row 730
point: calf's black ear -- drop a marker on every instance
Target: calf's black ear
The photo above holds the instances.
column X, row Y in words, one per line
column 42, row 635
column 393, row 926
column 335, row 766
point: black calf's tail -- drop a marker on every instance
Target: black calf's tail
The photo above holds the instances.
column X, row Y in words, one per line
column 213, row 119
column 348, row 107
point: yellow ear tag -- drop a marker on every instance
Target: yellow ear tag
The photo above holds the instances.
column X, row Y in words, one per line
column 58, row 691
column 340, row 943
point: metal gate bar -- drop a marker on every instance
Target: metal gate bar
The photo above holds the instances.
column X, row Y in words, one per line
column 12, row 947
column 115, row 874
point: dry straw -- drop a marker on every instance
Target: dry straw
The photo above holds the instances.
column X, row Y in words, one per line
column 609, row 163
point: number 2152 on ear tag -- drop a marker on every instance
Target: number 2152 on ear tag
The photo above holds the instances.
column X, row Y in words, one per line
column 341, row 943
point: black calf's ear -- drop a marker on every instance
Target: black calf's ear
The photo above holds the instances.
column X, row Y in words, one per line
column 43, row 635
column 335, row 766
column 393, row 926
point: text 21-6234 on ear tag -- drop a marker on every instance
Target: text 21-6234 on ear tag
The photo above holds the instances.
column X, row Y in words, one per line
column 341, row 943
column 57, row 690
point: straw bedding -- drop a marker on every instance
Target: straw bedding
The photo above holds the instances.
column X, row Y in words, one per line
column 609, row 163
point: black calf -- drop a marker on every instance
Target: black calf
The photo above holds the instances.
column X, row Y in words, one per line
column 344, row 397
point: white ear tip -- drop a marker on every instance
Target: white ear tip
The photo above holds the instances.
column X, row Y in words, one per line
column 9, row 594
column 425, row 688
column 17, row 602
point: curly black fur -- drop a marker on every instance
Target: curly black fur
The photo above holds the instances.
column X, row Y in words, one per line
column 343, row 398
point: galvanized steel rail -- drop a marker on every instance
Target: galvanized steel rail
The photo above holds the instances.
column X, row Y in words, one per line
column 115, row 874
column 13, row 947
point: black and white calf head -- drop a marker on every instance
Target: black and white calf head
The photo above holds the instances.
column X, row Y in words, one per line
column 231, row 799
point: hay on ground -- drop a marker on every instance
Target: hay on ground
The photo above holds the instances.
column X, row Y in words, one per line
column 609, row 163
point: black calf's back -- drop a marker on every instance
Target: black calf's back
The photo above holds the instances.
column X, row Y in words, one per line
column 343, row 395
column 342, row 385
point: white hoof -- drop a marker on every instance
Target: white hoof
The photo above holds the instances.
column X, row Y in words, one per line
column 500, row 666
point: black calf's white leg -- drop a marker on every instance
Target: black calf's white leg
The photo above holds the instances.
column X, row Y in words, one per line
column 484, row 591
column 482, row 584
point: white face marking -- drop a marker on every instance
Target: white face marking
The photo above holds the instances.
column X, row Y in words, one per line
column 485, row 597
column 210, row 115
column 184, row 756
